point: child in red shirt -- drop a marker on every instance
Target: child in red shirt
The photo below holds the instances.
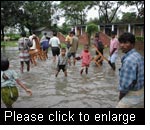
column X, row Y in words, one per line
column 86, row 59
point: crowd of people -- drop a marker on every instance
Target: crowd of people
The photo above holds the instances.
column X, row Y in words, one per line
column 131, row 73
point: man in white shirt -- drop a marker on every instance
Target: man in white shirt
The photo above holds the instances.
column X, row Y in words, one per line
column 55, row 46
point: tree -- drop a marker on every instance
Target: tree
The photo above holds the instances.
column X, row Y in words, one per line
column 36, row 14
column 27, row 14
column 129, row 17
column 106, row 9
column 74, row 11
column 140, row 8
column 139, row 5
column 9, row 14
column 91, row 29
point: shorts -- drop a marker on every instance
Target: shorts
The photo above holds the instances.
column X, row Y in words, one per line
column 9, row 95
column 61, row 67
column 71, row 54
column 55, row 51
column 113, row 57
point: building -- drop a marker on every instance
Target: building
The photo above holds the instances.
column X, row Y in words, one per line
column 43, row 30
column 136, row 28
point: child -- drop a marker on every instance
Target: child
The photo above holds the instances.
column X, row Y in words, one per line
column 86, row 59
column 23, row 44
column 9, row 78
column 99, row 45
column 62, row 62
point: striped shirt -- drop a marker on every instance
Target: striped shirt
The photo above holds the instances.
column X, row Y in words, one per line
column 131, row 72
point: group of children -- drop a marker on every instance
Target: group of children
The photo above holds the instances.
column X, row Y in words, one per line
column 9, row 78
column 62, row 63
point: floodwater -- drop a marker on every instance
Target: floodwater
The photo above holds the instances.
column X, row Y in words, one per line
column 98, row 89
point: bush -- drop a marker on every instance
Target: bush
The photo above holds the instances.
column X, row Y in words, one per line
column 139, row 39
column 14, row 37
column 91, row 29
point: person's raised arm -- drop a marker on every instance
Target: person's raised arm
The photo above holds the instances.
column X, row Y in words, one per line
column 24, row 86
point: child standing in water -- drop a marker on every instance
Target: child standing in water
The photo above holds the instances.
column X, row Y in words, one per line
column 86, row 59
column 9, row 78
column 62, row 62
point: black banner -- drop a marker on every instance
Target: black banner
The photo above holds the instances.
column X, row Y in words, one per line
column 72, row 116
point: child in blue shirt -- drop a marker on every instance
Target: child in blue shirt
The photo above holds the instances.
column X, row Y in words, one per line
column 9, row 78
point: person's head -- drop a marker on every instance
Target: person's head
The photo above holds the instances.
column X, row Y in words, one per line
column 63, row 51
column 4, row 63
column 23, row 34
column 72, row 33
column 127, row 42
column 113, row 34
column 86, row 47
column 54, row 33
column 45, row 33
column 33, row 32
column 96, row 37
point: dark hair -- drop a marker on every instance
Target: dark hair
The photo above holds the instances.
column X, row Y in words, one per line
column 63, row 49
column 97, row 34
column 72, row 32
column 4, row 63
column 54, row 33
column 23, row 34
column 113, row 33
column 127, row 37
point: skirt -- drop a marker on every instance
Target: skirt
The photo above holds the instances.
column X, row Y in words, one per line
column 9, row 95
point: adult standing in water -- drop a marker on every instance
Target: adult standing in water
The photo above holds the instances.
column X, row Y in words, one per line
column 113, row 53
column 73, row 48
column 55, row 46
column 131, row 73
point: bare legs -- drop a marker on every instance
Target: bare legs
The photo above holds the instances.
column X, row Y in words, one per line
column 22, row 65
column 84, row 68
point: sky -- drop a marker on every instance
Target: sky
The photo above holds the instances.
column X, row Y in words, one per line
column 92, row 13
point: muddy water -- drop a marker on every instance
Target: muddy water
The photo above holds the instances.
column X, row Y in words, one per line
column 98, row 89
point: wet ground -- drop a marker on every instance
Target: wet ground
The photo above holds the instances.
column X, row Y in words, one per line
column 98, row 89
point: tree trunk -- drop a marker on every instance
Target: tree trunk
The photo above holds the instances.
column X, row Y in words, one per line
column 2, row 30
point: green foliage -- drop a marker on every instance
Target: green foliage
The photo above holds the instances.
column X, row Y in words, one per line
column 91, row 29
column 14, row 37
column 139, row 39
column 65, row 29
column 9, row 44
column 129, row 17
column 63, row 45
column 74, row 11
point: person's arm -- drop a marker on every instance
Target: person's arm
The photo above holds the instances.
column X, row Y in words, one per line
column 50, row 42
column 24, row 86
column 58, row 42
column 113, row 51
column 77, row 45
column 121, row 95
column 127, row 76
column 115, row 47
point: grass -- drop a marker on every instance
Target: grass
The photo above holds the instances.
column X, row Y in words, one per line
column 9, row 43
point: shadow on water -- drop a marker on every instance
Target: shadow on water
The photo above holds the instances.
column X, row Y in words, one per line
column 98, row 89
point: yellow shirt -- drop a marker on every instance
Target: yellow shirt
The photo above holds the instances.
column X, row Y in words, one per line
column 68, row 39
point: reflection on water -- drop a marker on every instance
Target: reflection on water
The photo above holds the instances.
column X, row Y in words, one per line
column 98, row 89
